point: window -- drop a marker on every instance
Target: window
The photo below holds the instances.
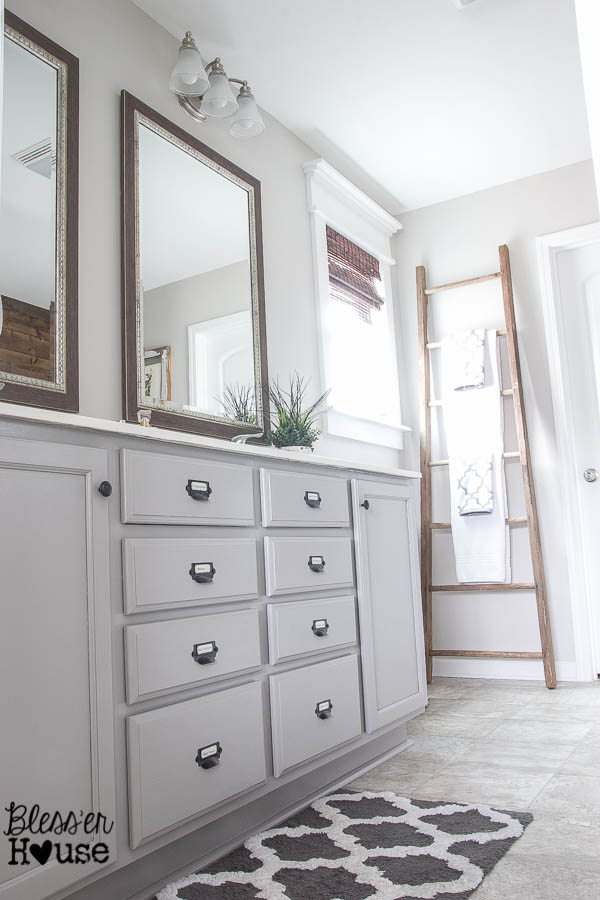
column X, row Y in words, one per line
column 358, row 348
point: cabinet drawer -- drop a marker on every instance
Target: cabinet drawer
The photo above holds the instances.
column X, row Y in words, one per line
column 307, row 564
column 157, row 572
column 290, row 498
column 167, row 783
column 168, row 656
column 180, row 491
column 310, row 626
column 299, row 698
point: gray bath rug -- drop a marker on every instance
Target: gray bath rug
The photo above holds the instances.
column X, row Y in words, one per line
column 363, row 846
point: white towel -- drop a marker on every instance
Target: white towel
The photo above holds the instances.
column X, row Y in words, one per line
column 465, row 360
column 474, row 425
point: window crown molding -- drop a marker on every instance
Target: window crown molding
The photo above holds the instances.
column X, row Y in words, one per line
column 319, row 172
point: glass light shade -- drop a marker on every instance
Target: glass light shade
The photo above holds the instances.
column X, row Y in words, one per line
column 188, row 78
column 219, row 100
column 248, row 121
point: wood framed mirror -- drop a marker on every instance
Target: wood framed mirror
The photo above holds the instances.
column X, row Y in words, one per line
column 39, row 221
column 194, row 342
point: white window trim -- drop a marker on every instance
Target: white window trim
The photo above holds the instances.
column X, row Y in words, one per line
column 335, row 201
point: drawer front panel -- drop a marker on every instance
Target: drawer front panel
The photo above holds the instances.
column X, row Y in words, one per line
column 299, row 733
column 310, row 626
column 164, row 573
column 307, row 564
column 167, row 656
column 180, row 491
column 167, row 784
column 290, row 499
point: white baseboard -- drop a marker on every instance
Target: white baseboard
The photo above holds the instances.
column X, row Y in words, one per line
column 530, row 669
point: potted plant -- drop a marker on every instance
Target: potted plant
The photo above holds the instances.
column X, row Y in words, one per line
column 292, row 426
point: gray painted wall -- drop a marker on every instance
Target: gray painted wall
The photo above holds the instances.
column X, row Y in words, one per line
column 455, row 240
column 119, row 47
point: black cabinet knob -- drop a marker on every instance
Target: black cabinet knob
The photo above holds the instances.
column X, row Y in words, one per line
column 105, row 488
column 365, row 504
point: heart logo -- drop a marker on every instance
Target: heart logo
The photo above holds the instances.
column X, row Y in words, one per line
column 41, row 852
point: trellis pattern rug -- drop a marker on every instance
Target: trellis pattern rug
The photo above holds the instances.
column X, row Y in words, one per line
column 363, row 846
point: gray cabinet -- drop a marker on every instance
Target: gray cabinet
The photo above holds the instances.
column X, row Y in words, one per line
column 178, row 491
column 310, row 626
column 314, row 709
column 389, row 601
column 166, row 573
column 183, row 653
column 301, row 499
column 56, row 710
column 186, row 758
column 294, row 565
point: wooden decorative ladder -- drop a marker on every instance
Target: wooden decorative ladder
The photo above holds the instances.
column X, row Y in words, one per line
column 531, row 519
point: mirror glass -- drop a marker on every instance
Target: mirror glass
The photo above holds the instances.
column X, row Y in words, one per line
column 195, row 291
column 31, row 284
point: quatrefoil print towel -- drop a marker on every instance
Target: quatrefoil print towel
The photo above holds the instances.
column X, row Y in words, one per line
column 475, row 491
column 465, row 359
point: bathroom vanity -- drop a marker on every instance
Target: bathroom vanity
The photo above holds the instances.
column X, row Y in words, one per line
column 202, row 637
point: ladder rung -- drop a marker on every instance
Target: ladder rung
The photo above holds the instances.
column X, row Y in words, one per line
column 506, row 393
column 435, row 345
column 486, row 586
column 515, row 520
column 489, row 654
column 510, row 454
column 457, row 284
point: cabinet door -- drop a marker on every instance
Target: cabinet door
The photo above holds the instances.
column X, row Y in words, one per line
column 55, row 661
column 389, row 602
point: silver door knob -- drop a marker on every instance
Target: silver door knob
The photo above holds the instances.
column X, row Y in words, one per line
column 591, row 475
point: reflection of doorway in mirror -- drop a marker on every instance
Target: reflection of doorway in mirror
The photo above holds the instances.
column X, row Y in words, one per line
column 157, row 373
column 220, row 356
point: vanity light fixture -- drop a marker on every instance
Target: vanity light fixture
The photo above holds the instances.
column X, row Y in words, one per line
column 205, row 91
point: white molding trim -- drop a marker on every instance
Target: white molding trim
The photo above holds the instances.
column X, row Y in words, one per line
column 584, row 616
column 518, row 669
column 322, row 172
column 335, row 201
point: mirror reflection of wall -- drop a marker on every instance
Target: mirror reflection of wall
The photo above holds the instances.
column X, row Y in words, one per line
column 195, row 273
column 28, row 215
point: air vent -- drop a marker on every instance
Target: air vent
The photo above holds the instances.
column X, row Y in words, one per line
column 38, row 158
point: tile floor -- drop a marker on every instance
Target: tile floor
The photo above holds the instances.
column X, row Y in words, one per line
column 515, row 745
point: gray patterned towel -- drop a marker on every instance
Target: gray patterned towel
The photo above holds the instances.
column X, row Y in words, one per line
column 475, row 493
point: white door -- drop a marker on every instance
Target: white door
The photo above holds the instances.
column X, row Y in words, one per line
column 572, row 267
column 389, row 602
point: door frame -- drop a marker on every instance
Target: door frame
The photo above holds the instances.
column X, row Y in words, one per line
column 585, row 618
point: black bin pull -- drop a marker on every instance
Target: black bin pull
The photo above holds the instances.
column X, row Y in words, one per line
column 205, row 653
column 323, row 709
column 198, row 490
column 312, row 499
column 208, row 757
column 202, row 573
column 320, row 627
column 316, row 563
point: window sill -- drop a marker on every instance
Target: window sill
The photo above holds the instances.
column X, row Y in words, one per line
column 355, row 428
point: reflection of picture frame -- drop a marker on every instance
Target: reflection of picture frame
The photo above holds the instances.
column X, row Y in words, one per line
column 157, row 373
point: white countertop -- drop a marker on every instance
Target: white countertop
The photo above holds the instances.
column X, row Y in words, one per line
column 87, row 423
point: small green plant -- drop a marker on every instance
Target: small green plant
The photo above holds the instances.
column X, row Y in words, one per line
column 291, row 424
column 238, row 403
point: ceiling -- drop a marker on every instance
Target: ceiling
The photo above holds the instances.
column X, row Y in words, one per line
column 416, row 101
